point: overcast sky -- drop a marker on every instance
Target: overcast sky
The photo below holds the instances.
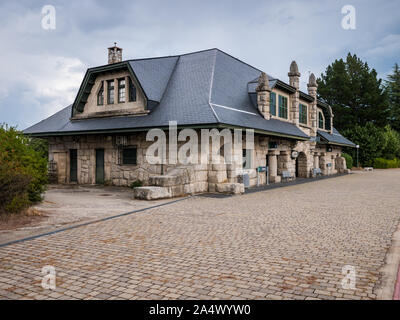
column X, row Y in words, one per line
column 41, row 70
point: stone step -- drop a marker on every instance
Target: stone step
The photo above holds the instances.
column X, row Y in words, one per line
column 151, row 193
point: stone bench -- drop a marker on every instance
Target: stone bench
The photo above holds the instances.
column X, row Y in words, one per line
column 286, row 175
column 316, row 172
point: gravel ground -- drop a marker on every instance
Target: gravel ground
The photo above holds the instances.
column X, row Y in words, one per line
column 285, row 243
column 68, row 205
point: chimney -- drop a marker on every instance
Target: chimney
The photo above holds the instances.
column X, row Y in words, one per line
column 312, row 91
column 114, row 54
column 263, row 91
column 294, row 81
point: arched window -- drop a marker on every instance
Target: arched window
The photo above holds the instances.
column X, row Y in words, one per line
column 100, row 95
column 320, row 120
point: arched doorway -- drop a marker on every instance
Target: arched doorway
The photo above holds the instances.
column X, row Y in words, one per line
column 301, row 165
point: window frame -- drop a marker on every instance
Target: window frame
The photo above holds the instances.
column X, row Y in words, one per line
column 282, row 107
column 120, row 87
column 303, row 112
column 246, row 158
column 109, row 90
column 100, row 94
column 132, row 90
column 272, row 98
column 123, row 158
column 321, row 117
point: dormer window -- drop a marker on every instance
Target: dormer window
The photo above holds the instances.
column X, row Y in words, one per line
column 100, row 95
column 110, row 91
column 132, row 91
column 121, row 90
column 320, row 120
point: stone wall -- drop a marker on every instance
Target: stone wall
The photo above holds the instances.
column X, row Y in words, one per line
column 220, row 177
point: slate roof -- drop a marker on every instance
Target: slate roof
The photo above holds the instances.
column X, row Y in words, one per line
column 335, row 138
column 205, row 88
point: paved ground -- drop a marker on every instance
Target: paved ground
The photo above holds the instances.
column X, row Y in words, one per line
column 69, row 205
column 289, row 242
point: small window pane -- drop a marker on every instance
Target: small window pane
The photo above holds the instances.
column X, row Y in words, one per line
column 246, row 158
column 129, row 155
column 121, row 90
column 273, row 103
column 100, row 95
column 303, row 113
column 110, row 85
column 132, row 91
column 320, row 120
column 283, row 107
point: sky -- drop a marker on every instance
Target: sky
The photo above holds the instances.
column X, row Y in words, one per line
column 41, row 69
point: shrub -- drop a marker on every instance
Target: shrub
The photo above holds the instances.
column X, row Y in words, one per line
column 23, row 170
column 349, row 160
column 136, row 184
column 381, row 163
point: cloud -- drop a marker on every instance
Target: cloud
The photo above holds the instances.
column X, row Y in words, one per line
column 42, row 70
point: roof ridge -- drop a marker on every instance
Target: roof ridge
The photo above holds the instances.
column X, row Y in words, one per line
column 170, row 77
column 211, row 87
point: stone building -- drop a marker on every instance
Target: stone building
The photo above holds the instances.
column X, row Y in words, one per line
column 102, row 136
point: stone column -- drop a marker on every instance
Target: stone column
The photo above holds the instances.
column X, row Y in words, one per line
column 316, row 160
column 322, row 163
column 312, row 91
column 263, row 92
column 273, row 166
column 294, row 80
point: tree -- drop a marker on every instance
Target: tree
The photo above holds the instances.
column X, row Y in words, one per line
column 355, row 93
column 393, row 91
column 23, row 170
column 371, row 139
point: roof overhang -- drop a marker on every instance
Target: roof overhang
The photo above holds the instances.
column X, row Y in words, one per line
column 129, row 130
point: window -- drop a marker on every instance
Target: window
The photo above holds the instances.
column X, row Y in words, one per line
column 272, row 99
column 246, row 158
column 100, row 95
column 132, row 91
column 303, row 113
column 283, row 107
column 129, row 156
column 110, row 88
column 121, row 90
column 320, row 120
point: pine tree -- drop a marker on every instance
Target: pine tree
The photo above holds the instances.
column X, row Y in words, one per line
column 355, row 93
column 393, row 91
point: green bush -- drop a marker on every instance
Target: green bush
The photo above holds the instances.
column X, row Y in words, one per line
column 136, row 184
column 23, row 171
column 381, row 163
column 349, row 160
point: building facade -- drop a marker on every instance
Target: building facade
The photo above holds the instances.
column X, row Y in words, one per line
column 103, row 137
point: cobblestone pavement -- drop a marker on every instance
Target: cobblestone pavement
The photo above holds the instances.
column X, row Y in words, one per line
column 286, row 243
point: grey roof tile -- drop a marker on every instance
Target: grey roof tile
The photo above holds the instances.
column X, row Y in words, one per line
column 189, row 89
column 335, row 138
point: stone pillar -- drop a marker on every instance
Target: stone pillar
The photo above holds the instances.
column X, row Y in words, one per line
column 273, row 166
column 316, row 160
column 312, row 91
column 323, row 162
column 263, row 94
column 294, row 80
